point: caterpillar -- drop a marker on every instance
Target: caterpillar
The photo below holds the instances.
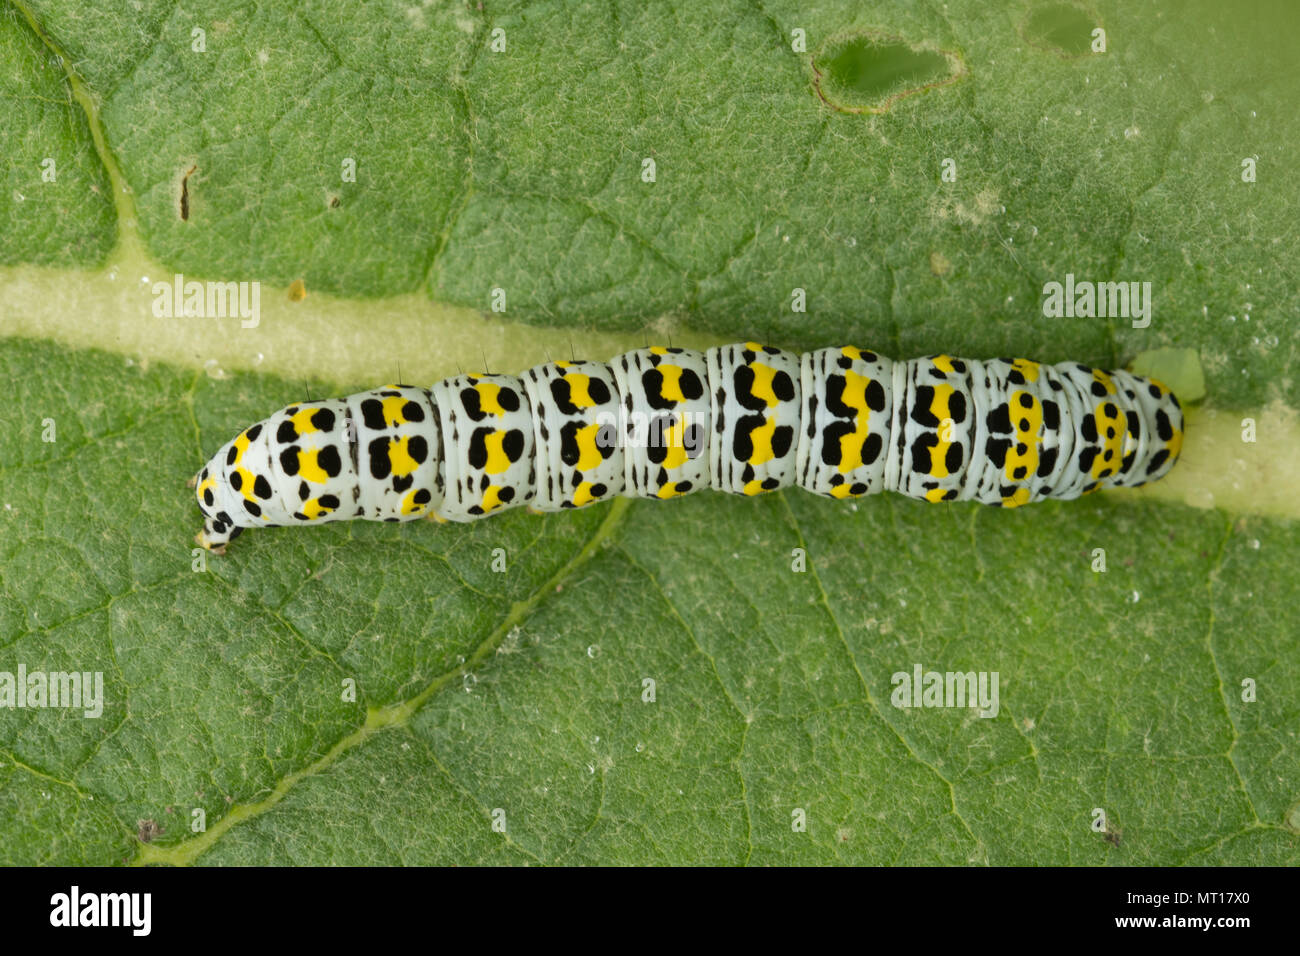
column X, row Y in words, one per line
column 664, row 422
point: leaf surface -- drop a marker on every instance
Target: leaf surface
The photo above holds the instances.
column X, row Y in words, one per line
column 503, row 717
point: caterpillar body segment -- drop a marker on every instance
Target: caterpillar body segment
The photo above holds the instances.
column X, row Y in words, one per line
column 575, row 409
column 663, row 422
column 396, row 443
column 846, row 420
column 487, row 445
column 755, row 410
column 666, row 413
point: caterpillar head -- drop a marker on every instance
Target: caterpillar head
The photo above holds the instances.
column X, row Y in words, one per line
column 212, row 488
column 296, row 467
column 234, row 489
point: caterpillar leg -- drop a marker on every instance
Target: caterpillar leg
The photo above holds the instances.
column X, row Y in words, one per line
column 215, row 536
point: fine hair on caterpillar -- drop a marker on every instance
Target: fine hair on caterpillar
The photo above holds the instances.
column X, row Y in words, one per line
column 660, row 422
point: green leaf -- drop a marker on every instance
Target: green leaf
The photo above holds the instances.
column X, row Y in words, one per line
column 505, row 717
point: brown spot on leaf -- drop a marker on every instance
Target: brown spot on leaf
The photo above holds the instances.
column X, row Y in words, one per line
column 147, row 830
column 185, row 194
column 1112, row 834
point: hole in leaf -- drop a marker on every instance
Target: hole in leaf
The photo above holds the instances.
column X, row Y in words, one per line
column 1060, row 27
column 868, row 73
